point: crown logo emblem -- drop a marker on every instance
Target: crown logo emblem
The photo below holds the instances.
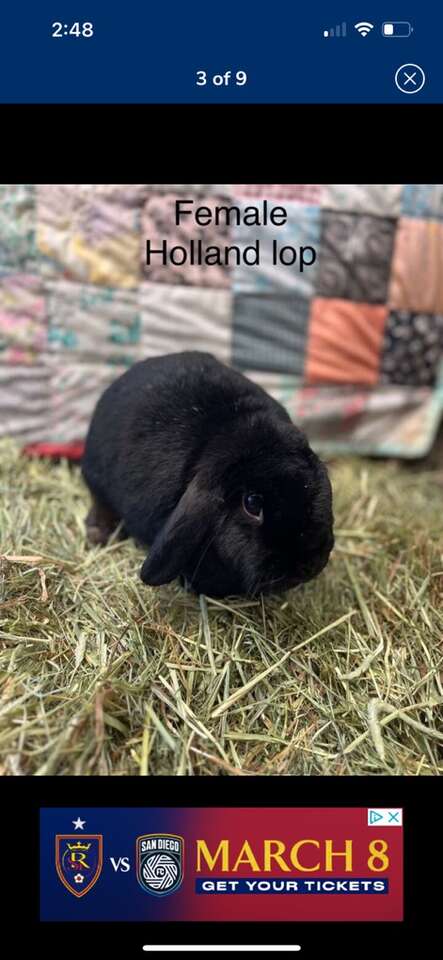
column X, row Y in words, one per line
column 78, row 862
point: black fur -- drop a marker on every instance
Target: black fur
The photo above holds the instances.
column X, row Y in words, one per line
column 173, row 446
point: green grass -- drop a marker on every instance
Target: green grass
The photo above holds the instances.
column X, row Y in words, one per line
column 102, row 675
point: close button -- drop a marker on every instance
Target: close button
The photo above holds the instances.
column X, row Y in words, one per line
column 410, row 78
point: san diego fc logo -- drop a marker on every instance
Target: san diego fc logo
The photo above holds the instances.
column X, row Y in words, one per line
column 160, row 863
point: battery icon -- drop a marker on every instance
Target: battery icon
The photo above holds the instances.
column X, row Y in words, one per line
column 398, row 28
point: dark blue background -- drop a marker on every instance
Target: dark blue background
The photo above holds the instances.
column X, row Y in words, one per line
column 116, row 895
column 150, row 52
column 302, row 887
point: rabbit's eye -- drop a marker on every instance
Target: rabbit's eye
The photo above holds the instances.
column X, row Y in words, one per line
column 253, row 506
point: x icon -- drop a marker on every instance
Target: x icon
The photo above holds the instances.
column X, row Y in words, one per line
column 393, row 817
column 409, row 78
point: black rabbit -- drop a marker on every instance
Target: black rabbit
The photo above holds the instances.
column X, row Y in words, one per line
column 206, row 468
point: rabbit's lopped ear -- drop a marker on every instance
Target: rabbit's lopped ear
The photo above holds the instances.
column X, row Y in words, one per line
column 181, row 536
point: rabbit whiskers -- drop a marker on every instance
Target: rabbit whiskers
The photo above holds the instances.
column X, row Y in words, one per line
column 202, row 556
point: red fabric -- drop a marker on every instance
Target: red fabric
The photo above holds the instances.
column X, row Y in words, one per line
column 72, row 451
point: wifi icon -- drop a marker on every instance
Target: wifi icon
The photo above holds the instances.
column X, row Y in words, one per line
column 364, row 28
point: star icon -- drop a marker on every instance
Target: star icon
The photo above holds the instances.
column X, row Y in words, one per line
column 78, row 878
column 79, row 824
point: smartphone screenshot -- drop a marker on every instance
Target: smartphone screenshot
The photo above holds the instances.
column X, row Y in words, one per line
column 238, row 54
column 221, row 477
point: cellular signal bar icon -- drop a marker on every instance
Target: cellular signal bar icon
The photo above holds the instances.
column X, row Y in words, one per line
column 338, row 31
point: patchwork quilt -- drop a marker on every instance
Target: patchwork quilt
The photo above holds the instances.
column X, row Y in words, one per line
column 352, row 345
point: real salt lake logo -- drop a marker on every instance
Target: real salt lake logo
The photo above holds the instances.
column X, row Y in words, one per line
column 79, row 862
column 159, row 858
